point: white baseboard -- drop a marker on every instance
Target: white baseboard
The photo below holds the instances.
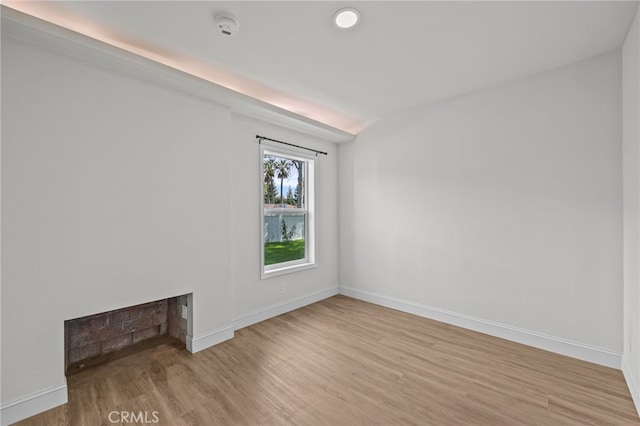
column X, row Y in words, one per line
column 208, row 339
column 26, row 407
column 631, row 384
column 526, row 337
column 23, row 408
column 282, row 308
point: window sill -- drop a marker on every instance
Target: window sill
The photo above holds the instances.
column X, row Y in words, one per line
column 287, row 270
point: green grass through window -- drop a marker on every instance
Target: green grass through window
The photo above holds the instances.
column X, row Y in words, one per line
column 284, row 251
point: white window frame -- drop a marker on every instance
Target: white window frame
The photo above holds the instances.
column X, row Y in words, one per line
column 309, row 261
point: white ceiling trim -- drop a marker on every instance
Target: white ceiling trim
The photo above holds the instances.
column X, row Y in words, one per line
column 32, row 29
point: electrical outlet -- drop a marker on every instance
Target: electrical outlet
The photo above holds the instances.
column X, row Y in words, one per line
column 283, row 288
column 185, row 312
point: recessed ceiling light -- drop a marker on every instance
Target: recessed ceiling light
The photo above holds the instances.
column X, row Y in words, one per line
column 346, row 18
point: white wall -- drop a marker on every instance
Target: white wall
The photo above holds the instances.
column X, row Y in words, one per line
column 502, row 206
column 118, row 191
column 631, row 196
column 111, row 194
column 252, row 296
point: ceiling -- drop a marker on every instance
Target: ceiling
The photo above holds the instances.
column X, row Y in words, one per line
column 402, row 55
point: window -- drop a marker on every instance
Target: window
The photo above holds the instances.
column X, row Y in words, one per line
column 288, row 228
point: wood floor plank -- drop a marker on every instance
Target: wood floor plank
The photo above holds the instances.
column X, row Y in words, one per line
column 346, row 362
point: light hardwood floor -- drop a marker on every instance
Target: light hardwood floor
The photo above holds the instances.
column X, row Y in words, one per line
column 346, row 362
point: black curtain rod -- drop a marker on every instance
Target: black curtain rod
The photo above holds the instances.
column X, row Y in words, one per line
column 263, row 138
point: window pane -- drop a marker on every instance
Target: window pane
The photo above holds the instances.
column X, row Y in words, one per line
column 283, row 182
column 284, row 237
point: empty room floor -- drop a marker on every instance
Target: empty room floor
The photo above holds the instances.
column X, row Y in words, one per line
column 346, row 362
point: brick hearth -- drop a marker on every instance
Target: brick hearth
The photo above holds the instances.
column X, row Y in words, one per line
column 96, row 335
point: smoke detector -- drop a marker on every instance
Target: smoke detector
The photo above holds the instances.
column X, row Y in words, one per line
column 227, row 24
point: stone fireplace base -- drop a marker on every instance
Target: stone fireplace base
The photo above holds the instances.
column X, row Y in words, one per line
column 90, row 339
